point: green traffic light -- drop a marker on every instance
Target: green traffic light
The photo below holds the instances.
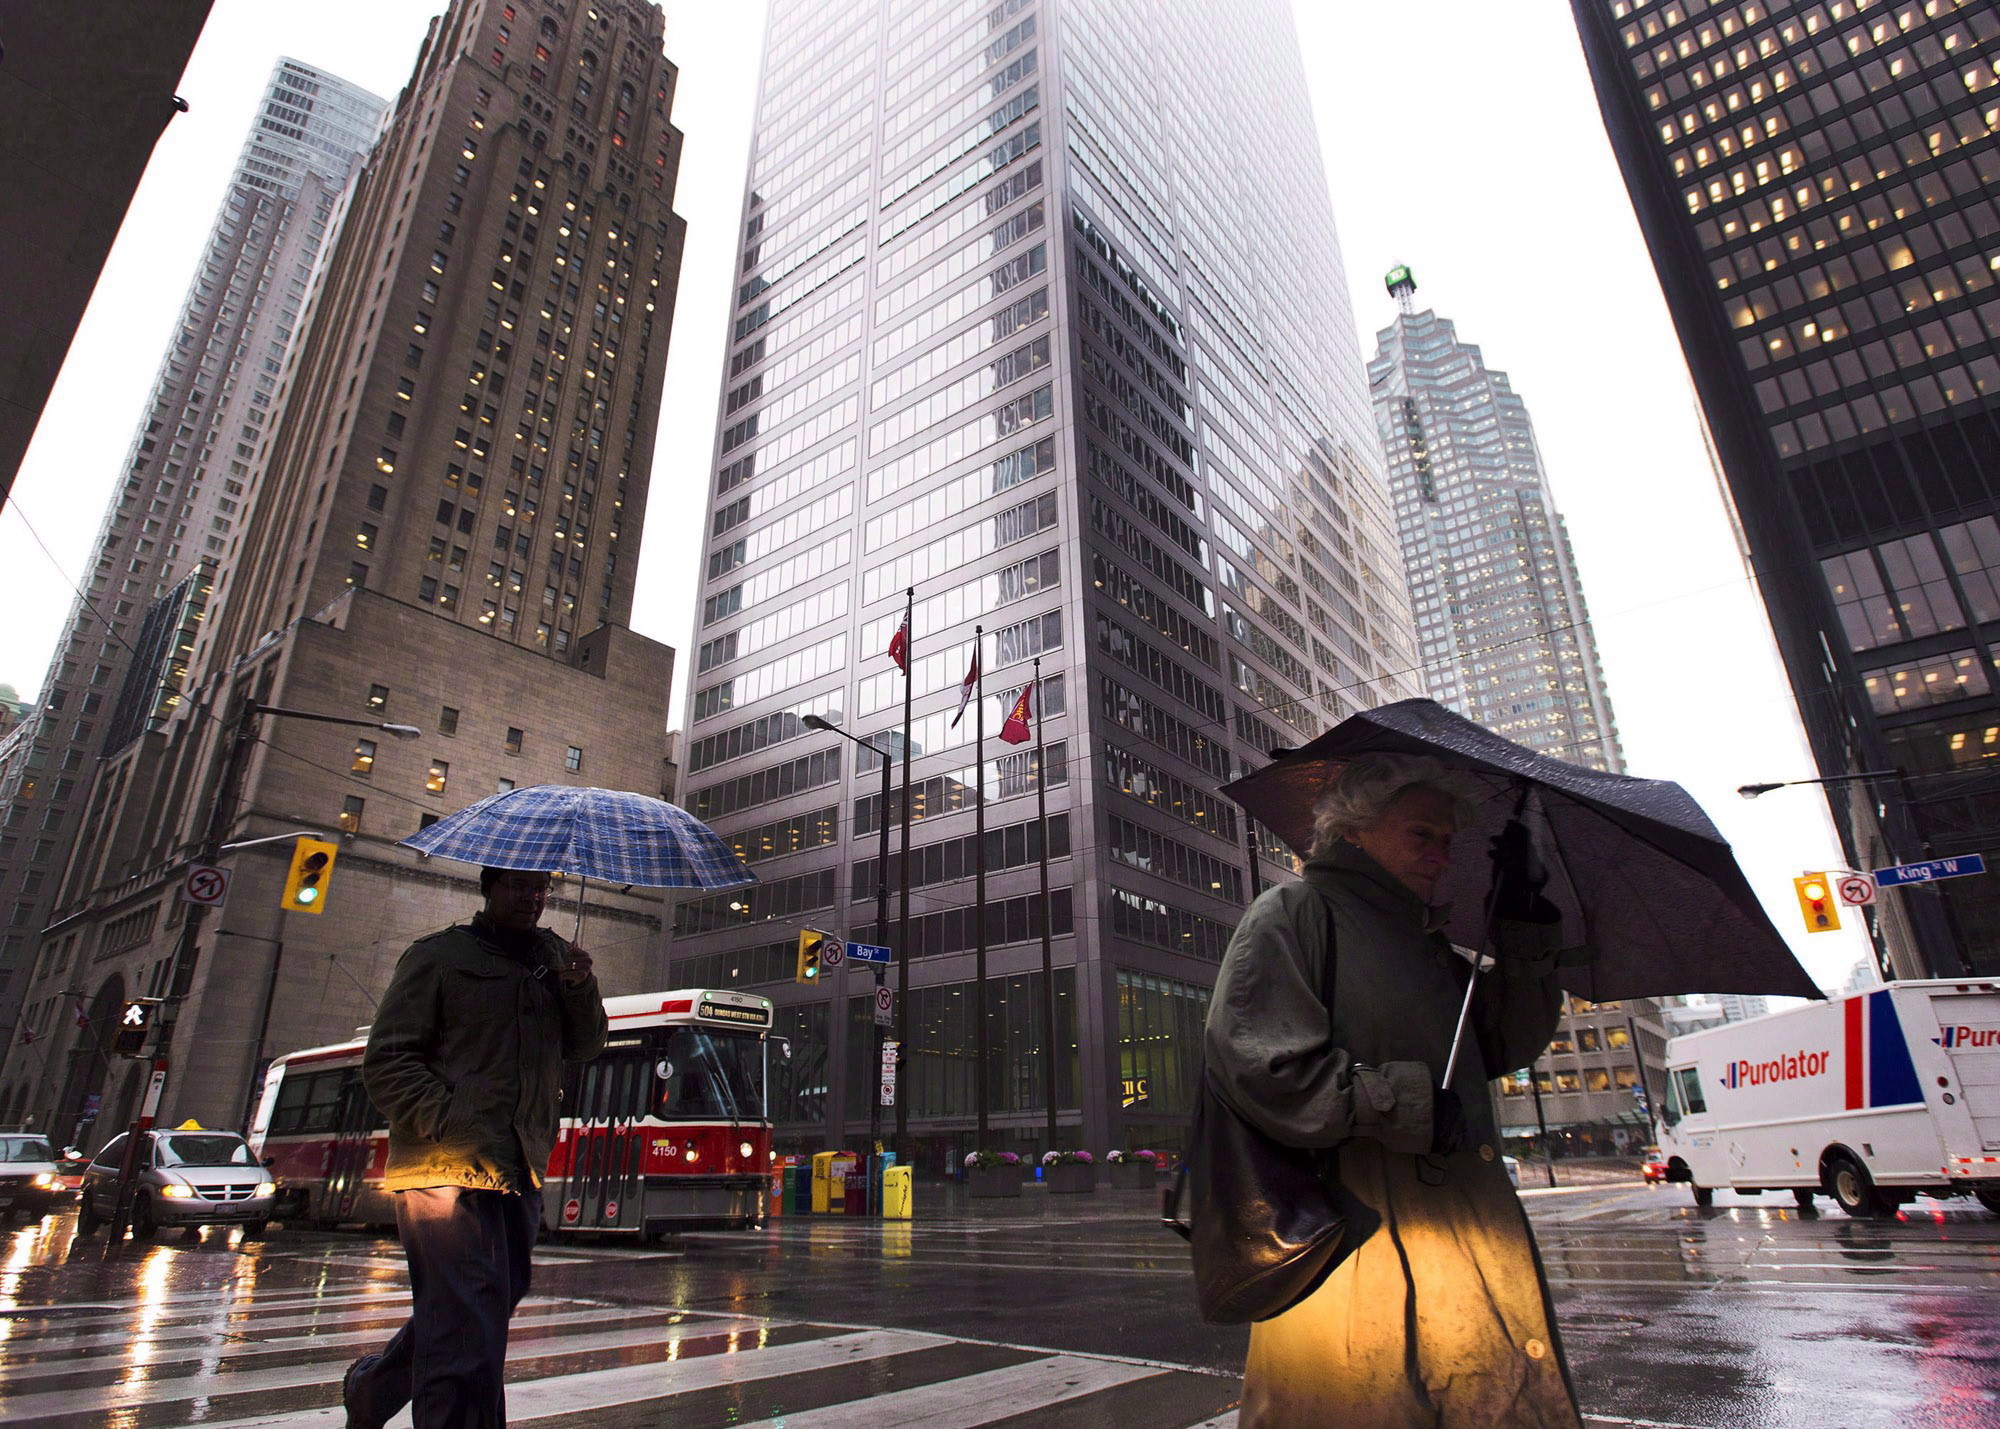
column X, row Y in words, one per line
column 308, row 895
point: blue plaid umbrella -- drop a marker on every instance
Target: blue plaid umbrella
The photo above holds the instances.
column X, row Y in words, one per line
column 605, row 834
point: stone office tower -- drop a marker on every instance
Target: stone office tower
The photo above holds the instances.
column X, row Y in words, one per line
column 1041, row 314
column 185, row 487
column 1501, row 622
column 444, row 536
column 1816, row 184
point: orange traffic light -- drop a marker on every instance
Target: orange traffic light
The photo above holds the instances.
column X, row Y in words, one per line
column 1816, row 902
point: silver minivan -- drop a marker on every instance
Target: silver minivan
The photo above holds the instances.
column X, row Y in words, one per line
column 185, row 1177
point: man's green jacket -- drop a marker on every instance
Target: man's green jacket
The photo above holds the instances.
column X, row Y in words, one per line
column 465, row 1056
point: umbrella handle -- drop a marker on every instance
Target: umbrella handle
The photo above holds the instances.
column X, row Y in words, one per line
column 1464, row 1014
column 582, row 887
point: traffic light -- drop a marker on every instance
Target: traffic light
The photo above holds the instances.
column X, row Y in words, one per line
column 1816, row 902
column 811, row 942
column 135, row 1025
column 312, row 866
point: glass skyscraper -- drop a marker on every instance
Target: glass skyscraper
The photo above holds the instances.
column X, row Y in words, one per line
column 1501, row 622
column 1816, row 180
column 184, row 488
column 1041, row 317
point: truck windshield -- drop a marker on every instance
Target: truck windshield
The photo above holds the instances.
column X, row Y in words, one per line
column 714, row 1074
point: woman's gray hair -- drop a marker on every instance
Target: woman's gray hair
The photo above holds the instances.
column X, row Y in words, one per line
column 1365, row 787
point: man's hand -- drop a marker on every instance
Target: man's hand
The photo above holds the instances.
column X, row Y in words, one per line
column 576, row 966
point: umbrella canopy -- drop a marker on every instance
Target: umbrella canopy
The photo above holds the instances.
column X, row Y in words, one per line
column 604, row 834
column 1638, row 870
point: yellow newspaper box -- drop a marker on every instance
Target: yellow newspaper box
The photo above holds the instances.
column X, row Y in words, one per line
column 897, row 1193
column 822, row 1198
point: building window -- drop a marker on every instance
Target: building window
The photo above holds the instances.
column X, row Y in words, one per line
column 573, row 760
column 378, row 697
column 435, row 780
column 424, row 821
column 364, row 757
column 447, row 720
column 350, row 814
column 506, row 786
column 513, row 740
column 357, row 575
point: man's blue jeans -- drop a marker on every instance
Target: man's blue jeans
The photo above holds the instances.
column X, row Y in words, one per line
column 469, row 1267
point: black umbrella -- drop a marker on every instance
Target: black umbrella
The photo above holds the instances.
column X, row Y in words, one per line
column 1636, row 868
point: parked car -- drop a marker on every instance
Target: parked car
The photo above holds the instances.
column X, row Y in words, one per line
column 187, row 1176
column 29, row 1182
column 1513, row 1166
column 1653, row 1166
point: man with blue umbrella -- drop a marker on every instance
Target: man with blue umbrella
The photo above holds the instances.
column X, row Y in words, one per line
column 465, row 1058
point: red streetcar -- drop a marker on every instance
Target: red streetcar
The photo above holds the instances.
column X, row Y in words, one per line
column 666, row 1129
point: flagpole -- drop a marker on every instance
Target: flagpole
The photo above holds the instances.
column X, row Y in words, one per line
column 903, row 913
column 1048, row 957
column 979, row 880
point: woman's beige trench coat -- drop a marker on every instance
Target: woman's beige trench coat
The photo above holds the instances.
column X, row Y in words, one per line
column 1442, row 1317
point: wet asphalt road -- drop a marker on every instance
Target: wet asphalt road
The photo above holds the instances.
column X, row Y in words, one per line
column 1047, row 1311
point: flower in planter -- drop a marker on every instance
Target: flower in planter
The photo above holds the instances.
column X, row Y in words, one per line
column 986, row 1160
column 1149, row 1157
column 1059, row 1158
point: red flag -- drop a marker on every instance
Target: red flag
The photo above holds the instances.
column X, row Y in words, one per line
column 899, row 646
column 27, row 1036
column 1015, row 730
column 82, row 1017
column 965, row 689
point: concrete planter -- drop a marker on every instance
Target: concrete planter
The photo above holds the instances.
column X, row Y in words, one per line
column 1133, row 1176
column 992, row 1182
column 1070, row 1178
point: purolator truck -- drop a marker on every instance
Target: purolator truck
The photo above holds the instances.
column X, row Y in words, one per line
column 1870, row 1099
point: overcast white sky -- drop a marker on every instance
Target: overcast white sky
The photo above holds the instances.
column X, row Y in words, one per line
column 1460, row 137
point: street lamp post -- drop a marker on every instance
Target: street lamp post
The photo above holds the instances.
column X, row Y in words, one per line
column 881, row 906
column 1943, row 910
column 180, row 975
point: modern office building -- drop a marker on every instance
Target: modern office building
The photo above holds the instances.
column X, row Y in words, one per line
column 1594, row 1091
column 1817, row 183
column 86, row 91
column 1502, row 627
column 443, row 538
column 1042, row 319
column 185, row 482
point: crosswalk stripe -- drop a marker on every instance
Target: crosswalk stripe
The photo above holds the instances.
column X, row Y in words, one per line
column 195, row 1382
column 631, row 1384
column 975, row 1399
column 246, row 1346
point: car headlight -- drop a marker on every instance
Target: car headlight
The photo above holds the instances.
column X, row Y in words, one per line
column 267, row 1188
column 174, row 1191
column 47, row 1182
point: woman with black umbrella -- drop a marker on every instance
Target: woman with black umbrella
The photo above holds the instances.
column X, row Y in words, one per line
column 1441, row 1316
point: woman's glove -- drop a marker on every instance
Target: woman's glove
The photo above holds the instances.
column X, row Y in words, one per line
column 1519, row 876
column 1447, row 1121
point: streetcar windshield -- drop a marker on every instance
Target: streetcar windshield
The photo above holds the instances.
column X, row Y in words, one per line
column 711, row 1074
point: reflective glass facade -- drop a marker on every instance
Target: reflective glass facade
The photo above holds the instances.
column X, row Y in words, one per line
column 1817, row 183
column 1501, row 622
column 1023, row 329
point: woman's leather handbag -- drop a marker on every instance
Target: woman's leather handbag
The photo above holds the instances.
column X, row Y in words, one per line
column 1266, row 1222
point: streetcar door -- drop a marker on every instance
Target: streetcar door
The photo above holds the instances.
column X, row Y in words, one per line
column 606, row 1180
column 347, row 1158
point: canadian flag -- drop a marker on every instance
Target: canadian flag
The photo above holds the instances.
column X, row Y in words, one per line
column 965, row 689
column 899, row 646
column 1015, row 730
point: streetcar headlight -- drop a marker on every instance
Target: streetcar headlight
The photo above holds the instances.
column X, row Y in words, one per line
column 692, row 1154
column 267, row 1188
column 746, row 1151
column 175, row 1191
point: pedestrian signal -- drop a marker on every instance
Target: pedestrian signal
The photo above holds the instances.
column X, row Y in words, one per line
column 312, row 865
column 812, row 945
column 135, row 1025
column 1816, row 903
